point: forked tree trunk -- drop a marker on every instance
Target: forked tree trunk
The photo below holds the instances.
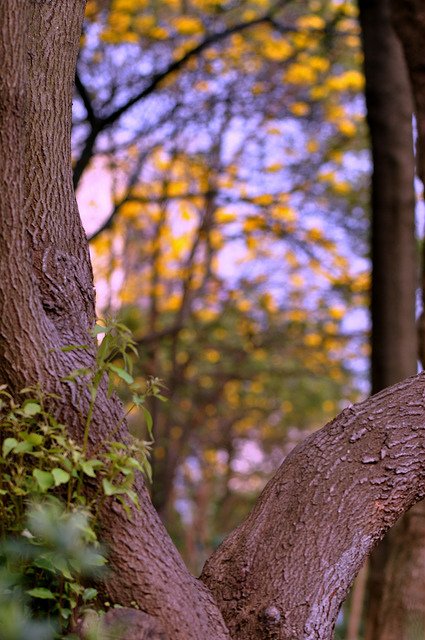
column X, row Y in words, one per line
column 284, row 573
column 47, row 297
column 394, row 260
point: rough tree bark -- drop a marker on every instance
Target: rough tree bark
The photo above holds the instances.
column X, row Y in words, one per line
column 46, row 290
column 284, row 573
column 394, row 261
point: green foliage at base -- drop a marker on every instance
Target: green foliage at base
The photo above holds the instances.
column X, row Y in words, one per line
column 52, row 490
column 44, row 569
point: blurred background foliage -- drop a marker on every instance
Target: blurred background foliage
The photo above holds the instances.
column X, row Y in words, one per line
column 222, row 165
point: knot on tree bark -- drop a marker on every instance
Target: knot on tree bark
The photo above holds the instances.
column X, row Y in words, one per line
column 271, row 619
column 66, row 287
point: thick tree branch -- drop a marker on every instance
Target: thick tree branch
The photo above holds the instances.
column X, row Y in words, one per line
column 285, row 571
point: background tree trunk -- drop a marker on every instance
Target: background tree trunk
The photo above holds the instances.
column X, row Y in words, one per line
column 393, row 245
column 357, row 599
column 394, row 262
column 402, row 609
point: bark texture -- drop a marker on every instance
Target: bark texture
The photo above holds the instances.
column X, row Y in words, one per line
column 47, row 296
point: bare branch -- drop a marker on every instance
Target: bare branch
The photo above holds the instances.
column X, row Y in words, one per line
column 91, row 116
column 103, row 123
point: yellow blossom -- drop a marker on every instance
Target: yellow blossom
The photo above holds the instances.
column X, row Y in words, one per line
column 299, row 108
column 212, row 355
column 337, row 313
column 311, row 22
column 277, row 49
column 312, row 339
column 312, row 146
column 347, row 128
column 187, row 25
column 300, row 74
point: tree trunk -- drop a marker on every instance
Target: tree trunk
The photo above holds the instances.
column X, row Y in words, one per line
column 408, row 18
column 393, row 243
column 409, row 21
column 47, row 298
column 394, row 260
column 402, row 611
column 356, row 604
column 283, row 573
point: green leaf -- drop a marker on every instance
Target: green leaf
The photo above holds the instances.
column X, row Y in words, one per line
column 97, row 560
column 74, row 587
column 44, row 562
column 8, row 445
column 34, row 438
column 98, row 329
column 45, row 479
column 104, row 349
column 77, row 373
column 40, row 592
column 132, row 495
column 60, row 476
column 109, row 488
column 148, row 470
column 60, row 564
column 122, row 373
column 23, row 447
column 31, row 408
column 89, row 594
column 89, row 466
column 148, row 418
column 67, row 464
column 138, row 399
